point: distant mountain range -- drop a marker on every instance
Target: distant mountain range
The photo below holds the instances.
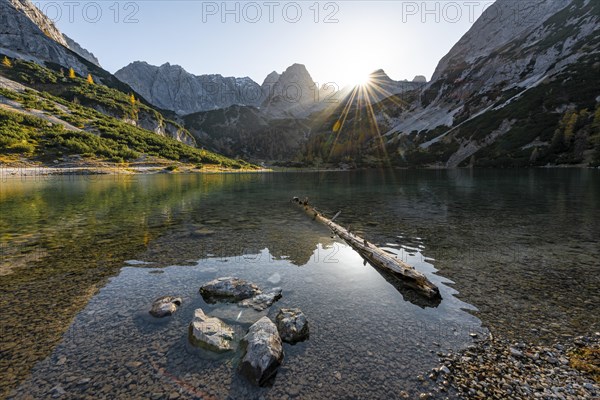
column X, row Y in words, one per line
column 520, row 88
column 293, row 93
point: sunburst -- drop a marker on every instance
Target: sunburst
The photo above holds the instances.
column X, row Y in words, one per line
column 365, row 95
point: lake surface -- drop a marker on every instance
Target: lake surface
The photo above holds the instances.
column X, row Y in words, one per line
column 84, row 257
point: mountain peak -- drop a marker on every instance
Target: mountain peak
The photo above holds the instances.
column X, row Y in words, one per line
column 297, row 67
column 380, row 76
column 272, row 78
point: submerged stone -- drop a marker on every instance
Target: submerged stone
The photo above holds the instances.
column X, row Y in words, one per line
column 274, row 279
column 228, row 289
column 263, row 352
column 165, row 306
column 292, row 325
column 262, row 301
column 210, row 333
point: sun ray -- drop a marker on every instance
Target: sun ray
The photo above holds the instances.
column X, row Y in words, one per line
column 370, row 94
column 339, row 124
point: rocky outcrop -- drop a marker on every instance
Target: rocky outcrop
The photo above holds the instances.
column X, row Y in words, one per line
column 170, row 87
column 210, row 333
column 26, row 33
column 262, row 352
column 73, row 45
column 27, row 8
column 292, row 325
column 228, row 289
column 165, row 306
column 153, row 121
column 262, row 301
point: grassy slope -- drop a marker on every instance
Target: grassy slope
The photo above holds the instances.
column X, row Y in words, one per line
column 102, row 136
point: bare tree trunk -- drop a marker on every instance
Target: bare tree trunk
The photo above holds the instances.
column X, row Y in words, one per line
column 374, row 255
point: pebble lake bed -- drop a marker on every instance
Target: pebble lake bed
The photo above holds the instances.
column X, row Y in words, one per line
column 91, row 255
column 348, row 351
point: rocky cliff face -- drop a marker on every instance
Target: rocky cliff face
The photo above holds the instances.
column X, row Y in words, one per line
column 513, row 45
column 516, row 57
column 170, row 87
column 28, row 34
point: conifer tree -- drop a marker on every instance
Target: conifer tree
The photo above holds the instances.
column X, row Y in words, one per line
column 6, row 62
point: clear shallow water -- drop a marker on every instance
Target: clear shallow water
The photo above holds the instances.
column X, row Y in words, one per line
column 522, row 246
column 365, row 340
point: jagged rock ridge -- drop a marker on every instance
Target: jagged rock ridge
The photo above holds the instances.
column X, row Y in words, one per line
column 172, row 88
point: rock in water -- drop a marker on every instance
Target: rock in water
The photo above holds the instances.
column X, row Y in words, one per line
column 262, row 301
column 210, row 333
column 275, row 278
column 263, row 352
column 292, row 325
column 228, row 289
column 165, row 306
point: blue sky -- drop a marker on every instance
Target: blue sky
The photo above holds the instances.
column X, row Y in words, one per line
column 338, row 41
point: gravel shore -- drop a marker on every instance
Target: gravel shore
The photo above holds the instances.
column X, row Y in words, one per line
column 502, row 369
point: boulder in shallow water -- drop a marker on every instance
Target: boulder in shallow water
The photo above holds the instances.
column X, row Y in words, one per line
column 228, row 289
column 262, row 301
column 263, row 352
column 210, row 333
column 292, row 325
column 165, row 306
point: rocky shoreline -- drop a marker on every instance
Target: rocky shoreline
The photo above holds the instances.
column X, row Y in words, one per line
column 500, row 368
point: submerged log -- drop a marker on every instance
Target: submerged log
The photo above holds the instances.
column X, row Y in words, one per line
column 374, row 255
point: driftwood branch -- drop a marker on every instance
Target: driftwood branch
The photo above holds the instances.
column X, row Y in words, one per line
column 374, row 255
